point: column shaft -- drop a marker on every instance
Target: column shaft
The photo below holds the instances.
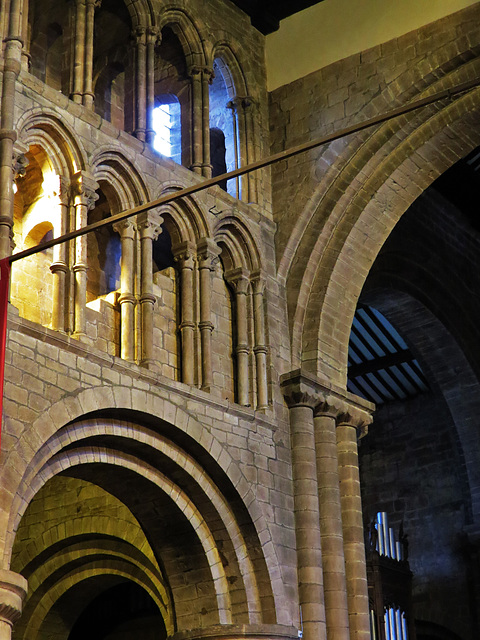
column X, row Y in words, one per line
column 206, row 166
column 336, row 604
column 88, row 95
column 79, row 49
column 197, row 120
column 207, row 251
column 140, row 84
column 127, row 299
column 152, row 36
column 260, row 348
column 307, row 523
column 150, row 227
column 184, row 257
column 353, row 535
column 59, row 267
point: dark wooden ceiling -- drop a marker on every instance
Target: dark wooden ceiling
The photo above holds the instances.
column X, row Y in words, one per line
column 265, row 15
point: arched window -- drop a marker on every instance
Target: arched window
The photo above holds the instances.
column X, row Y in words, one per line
column 224, row 148
column 50, row 29
column 112, row 64
column 171, row 87
column 167, row 126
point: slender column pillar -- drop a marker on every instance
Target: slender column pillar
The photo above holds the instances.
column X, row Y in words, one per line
column 13, row 589
column 140, row 83
column 59, row 266
column 184, row 256
column 84, row 200
column 239, row 280
column 152, row 40
column 150, row 227
column 126, row 229
column 260, row 348
column 11, row 69
column 350, row 422
column 207, row 77
column 79, row 49
column 249, row 182
column 207, row 253
column 233, row 106
column 301, row 399
column 197, row 120
column 88, row 95
column 26, row 57
column 336, row 605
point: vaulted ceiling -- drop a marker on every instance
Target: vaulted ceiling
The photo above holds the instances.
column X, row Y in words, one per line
column 265, row 15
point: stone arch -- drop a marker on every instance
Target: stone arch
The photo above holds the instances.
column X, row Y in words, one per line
column 114, row 168
column 185, row 218
column 361, row 218
column 105, row 567
column 241, row 248
column 59, row 139
column 234, row 75
column 187, row 31
column 47, row 436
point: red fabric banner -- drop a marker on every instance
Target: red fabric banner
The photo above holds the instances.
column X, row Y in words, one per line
column 4, row 291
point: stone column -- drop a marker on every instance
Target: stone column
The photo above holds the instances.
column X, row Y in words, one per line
column 260, row 348
column 249, row 182
column 88, row 95
column 207, row 77
column 184, row 255
column 239, row 280
column 79, row 49
column 126, row 229
column 207, row 253
column 301, row 398
column 59, row 266
column 197, row 120
column 353, row 422
column 26, row 57
column 11, row 69
column 84, row 199
column 13, row 589
column 152, row 40
column 335, row 586
column 233, row 106
column 149, row 225
column 140, row 83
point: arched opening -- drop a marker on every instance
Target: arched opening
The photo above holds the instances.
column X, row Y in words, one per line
column 170, row 118
column 37, row 214
column 50, row 29
column 113, row 64
column 410, row 352
column 166, row 288
column 129, row 526
column 104, row 253
column 224, row 143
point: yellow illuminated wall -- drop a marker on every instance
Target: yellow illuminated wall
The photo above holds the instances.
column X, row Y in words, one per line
column 336, row 29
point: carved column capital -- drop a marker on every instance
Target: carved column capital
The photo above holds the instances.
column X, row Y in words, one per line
column 125, row 228
column 258, row 280
column 239, row 279
column 184, row 254
column 13, row 589
column 149, row 224
column 299, row 391
column 84, row 188
column 153, row 35
column 139, row 35
column 356, row 417
column 207, row 253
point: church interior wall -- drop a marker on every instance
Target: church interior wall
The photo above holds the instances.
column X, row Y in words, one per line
column 175, row 390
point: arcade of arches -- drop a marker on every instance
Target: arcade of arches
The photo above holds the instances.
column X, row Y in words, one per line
column 212, row 409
